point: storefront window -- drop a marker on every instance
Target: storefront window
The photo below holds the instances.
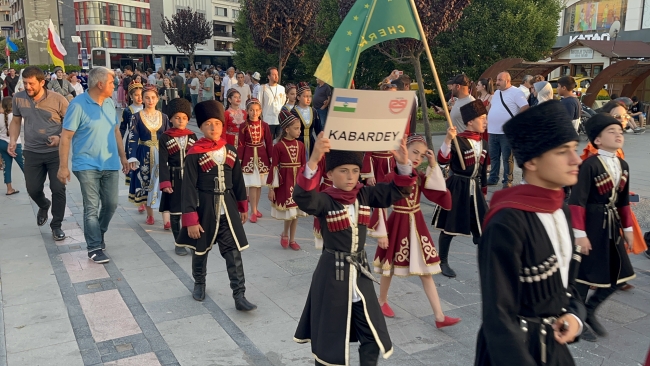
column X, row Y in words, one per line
column 594, row 16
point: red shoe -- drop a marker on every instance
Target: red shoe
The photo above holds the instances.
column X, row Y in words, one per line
column 449, row 321
column 284, row 241
column 253, row 218
column 167, row 226
column 150, row 220
column 258, row 214
column 141, row 208
column 293, row 245
column 387, row 311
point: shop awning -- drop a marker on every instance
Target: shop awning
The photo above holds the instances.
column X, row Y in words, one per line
column 622, row 49
column 518, row 68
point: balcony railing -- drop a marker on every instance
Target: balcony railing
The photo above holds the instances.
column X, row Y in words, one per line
column 222, row 34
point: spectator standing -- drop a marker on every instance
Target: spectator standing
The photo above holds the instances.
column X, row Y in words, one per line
column 565, row 87
column 178, row 83
column 460, row 90
column 151, row 77
column 526, row 85
column 76, row 85
column 321, row 100
column 11, row 81
column 5, row 119
column 126, row 81
column 217, row 85
column 228, row 81
column 508, row 101
column 255, row 86
column 42, row 111
column 243, row 89
column 272, row 97
column 208, row 87
column 91, row 127
column 485, row 89
column 543, row 92
column 195, row 85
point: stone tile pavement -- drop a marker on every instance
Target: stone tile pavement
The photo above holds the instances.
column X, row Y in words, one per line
column 57, row 308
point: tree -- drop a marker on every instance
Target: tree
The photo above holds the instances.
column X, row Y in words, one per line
column 281, row 25
column 186, row 30
column 491, row 30
column 21, row 53
column 435, row 16
column 248, row 56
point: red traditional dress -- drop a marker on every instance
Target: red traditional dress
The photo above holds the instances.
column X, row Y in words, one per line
column 411, row 251
column 288, row 157
column 255, row 149
column 325, row 183
column 378, row 165
column 234, row 119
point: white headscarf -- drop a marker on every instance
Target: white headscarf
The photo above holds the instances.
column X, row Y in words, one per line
column 544, row 91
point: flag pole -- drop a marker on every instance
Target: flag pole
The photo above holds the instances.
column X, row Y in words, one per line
column 435, row 76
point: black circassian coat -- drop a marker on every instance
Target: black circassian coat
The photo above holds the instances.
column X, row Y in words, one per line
column 513, row 241
column 473, row 178
column 199, row 198
column 172, row 160
column 325, row 320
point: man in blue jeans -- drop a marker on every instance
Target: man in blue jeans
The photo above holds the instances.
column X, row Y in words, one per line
column 91, row 125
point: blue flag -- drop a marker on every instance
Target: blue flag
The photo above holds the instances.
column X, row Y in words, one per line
column 12, row 46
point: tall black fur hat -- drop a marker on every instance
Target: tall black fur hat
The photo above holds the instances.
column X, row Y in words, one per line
column 209, row 109
column 596, row 124
column 179, row 105
column 472, row 110
column 336, row 158
column 538, row 130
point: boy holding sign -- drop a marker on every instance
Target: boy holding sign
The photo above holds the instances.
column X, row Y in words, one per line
column 342, row 306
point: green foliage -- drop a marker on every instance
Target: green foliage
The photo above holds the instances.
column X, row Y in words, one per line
column 491, row 30
column 186, row 30
column 247, row 55
column 21, row 53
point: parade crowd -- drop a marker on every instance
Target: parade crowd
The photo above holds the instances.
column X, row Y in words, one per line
column 551, row 250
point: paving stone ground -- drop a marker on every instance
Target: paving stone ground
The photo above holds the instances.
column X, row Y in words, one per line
column 57, row 308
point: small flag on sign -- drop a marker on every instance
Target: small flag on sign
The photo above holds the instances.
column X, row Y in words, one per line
column 344, row 104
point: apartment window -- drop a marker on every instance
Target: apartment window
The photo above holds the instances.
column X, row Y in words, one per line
column 5, row 17
column 114, row 13
column 115, row 40
column 220, row 45
column 235, row 14
column 222, row 12
column 130, row 40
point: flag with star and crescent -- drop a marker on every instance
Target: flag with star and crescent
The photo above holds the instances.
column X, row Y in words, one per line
column 369, row 22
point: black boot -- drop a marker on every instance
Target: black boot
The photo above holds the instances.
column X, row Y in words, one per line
column 368, row 354
column 235, row 268
column 600, row 295
column 199, row 270
column 175, row 220
column 444, row 242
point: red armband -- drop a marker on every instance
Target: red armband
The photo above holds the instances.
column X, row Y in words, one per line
column 405, row 180
column 165, row 184
column 626, row 216
column 578, row 217
column 306, row 183
column 242, row 206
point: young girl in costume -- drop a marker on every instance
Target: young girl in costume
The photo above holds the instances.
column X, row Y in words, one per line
column 288, row 156
column 291, row 97
column 341, row 306
column 214, row 204
column 255, row 148
column 128, row 115
column 235, row 117
column 311, row 125
column 410, row 250
column 146, row 131
column 174, row 144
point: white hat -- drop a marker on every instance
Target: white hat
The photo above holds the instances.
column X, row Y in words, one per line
column 256, row 76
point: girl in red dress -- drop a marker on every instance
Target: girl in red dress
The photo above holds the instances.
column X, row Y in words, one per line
column 377, row 166
column 255, row 148
column 410, row 250
column 288, row 156
column 235, row 117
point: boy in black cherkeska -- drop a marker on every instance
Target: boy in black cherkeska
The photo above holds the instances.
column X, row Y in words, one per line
column 174, row 145
column 342, row 306
column 600, row 205
column 527, row 258
column 214, row 204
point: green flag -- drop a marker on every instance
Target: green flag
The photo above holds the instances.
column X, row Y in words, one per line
column 369, row 22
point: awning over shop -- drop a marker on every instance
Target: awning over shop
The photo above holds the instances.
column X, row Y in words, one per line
column 518, row 68
column 622, row 49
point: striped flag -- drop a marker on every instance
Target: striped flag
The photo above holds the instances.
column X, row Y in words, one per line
column 54, row 46
column 345, row 104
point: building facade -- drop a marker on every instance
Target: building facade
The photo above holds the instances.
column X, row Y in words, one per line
column 30, row 20
column 6, row 26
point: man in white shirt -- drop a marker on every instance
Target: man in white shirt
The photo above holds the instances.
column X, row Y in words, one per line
column 272, row 97
column 151, row 78
column 195, row 86
column 243, row 89
column 228, row 81
column 526, row 84
column 507, row 102
column 256, row 85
